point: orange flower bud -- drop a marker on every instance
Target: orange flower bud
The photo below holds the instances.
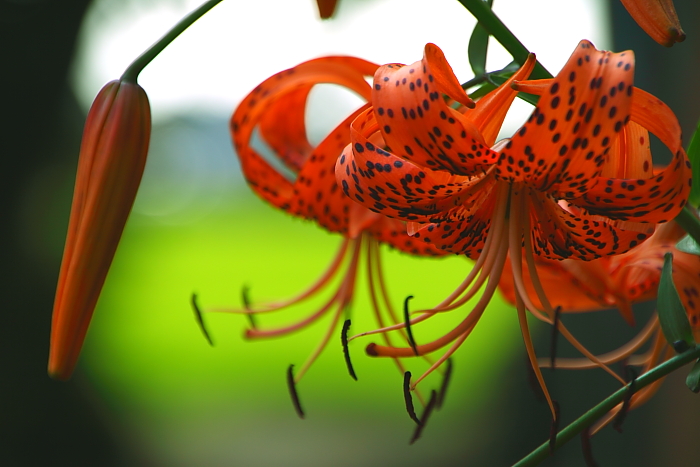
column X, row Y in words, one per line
column 326, row 8
column 112, row 158
column 658, row 19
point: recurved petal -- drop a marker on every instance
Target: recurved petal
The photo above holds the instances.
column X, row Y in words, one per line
column 112, row 157
column 284, row 95
column 393, row 233
column 398, row 188
column 416, row 122
column 316, row 192
column 658, row 18
column 491, row 110
column 562, row 146
column 583, row 289
column 654, row 200
column 562, row 233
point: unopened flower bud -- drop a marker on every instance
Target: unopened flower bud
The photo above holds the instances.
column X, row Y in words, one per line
column 112, row 158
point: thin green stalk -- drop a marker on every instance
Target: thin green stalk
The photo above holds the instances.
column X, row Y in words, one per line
column 689, row 222
column 132, row 72
column 483, row 13
column 568, row 433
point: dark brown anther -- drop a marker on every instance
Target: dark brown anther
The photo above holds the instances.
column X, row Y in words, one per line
column 293, row 391
column 445, row 382
column 432, row 402
column 586, row 447
column 554, row 339
column 346, row 351
column 200, row 320
column 554, row 430
column 408, row 398
column 407, row 322
column 245, row 298
column 631, row 389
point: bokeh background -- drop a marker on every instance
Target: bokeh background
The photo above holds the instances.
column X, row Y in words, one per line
column 149, row 391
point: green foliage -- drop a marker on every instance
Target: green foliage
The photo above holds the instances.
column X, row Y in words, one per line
column 688, row 244
column 694, row 156
column 672, row 315
column 693, row 379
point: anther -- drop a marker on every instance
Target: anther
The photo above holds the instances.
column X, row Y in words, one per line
column 407, row 322
column 586, row 447
column 408, row 398
column 445, row 382
column 554, row 339
column 432, row 404
column 293, row 391
column 346, row 351
column 631, row 389
column 245, row 298
column 200, row 320
column 554, row 430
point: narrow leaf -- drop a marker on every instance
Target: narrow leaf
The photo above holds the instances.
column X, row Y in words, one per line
column 694, row 157
column 672, row 316
column 693, row 379
column 478, row 46
column 688, row 244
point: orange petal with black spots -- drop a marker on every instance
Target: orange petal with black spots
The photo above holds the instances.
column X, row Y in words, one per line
column 395, row 187
column 563, row 145
column 416, row 122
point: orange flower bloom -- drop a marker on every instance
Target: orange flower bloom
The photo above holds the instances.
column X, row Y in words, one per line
column 277, row 108
column 631, row 278
column 552, row 190
column 658, row 19
column 112, row 157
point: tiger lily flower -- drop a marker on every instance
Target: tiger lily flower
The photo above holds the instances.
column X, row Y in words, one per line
column 545, row 192
column 277, row 108
column 112, row 158
column 635, row 277
column 658, row 18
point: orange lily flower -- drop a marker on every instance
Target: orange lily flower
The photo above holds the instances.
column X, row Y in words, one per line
column 658, row 19
column 112, row 157
column 277, row 108
column 634, row 277
column 545, row 192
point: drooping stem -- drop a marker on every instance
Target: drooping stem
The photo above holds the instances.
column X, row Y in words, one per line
column 132, row 72
column 576, row 427
column 483, row 13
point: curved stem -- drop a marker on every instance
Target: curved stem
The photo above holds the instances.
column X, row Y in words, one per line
column 483, row 13
column 132, row 72
column 568, row 433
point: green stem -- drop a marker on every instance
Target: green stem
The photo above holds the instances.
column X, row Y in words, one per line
column 689, row 222
column 495, row 27
column 568, row 433
column 132, row 73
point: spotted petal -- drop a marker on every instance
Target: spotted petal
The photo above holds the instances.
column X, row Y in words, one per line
column 562, row 146
column 399, row 188
column 416, row 122
column 266, row 104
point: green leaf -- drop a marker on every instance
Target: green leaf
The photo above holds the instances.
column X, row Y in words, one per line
column 693, row 379
column 478, row 46
column 672, row 316
column 694, row 156
column 688, row 244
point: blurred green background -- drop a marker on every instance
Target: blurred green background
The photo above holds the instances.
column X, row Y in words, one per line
column 149, row 391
